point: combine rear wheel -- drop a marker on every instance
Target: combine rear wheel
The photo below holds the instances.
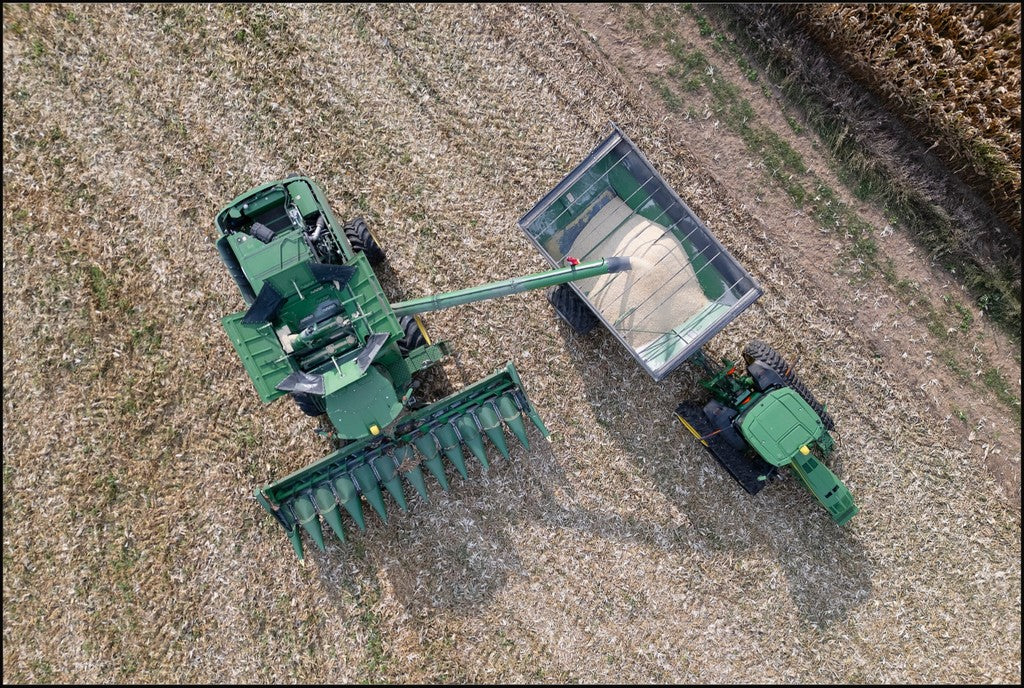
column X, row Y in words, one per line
column 770, row 358
column 362, row 241
column 572, row 310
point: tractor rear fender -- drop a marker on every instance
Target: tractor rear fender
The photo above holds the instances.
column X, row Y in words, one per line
column 764, row 377
column 721, row 417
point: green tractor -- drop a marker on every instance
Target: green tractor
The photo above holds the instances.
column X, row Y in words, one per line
column 764, row 420
column 319, row 328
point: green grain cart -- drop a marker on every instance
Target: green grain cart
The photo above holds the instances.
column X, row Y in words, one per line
column 319, row 328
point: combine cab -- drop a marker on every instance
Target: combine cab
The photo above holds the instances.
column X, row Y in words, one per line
column 319, row 328
column 683, row 289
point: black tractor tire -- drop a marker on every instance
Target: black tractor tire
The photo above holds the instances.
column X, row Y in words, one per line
column 413, row 338
column 770, row 358
column 310, row 404
column 571, row 308
column 362, row 241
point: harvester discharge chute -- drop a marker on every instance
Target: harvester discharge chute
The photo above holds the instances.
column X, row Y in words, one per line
column 319, row 328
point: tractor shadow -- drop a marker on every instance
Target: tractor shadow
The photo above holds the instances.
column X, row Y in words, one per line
column 826, row 567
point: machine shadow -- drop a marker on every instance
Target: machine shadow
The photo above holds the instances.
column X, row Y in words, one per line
column 827, row 568
column 455, row 554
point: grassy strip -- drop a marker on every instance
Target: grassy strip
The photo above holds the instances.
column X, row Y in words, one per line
column 944, row 95
column 784, row 165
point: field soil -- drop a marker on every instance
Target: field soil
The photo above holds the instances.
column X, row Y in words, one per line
column 621, row 551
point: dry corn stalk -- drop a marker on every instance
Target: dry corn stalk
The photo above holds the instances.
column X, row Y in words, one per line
column 953, row 69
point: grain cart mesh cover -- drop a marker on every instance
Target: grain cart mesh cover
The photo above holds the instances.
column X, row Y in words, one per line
column 684, row 286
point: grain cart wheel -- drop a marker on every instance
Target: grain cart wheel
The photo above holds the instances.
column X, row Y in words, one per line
column 362, row 241
column 572, row 310
column 310, row 404
column 413, row 338
column 770, row 358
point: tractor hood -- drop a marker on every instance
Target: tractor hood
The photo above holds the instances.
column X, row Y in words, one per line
column 779, row 424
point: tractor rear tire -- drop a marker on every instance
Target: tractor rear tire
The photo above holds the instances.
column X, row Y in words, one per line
column 571, row 308
column 310, row 404
column 413, row 338
column 362, row 241
column 770, row 358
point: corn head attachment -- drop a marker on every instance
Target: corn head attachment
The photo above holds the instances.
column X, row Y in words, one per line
column 319, row 328
column 422, row 443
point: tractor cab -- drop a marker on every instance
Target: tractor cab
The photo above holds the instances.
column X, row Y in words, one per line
column 780, row 425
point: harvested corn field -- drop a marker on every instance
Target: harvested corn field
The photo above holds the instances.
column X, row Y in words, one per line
column 133, row 550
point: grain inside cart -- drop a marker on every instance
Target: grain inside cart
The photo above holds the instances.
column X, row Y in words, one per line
column 684, row 288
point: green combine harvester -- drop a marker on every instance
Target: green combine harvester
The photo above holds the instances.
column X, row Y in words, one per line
column 626, row 252
column 319, row 328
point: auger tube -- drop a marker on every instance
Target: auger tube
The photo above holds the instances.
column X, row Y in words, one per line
column 493, row 290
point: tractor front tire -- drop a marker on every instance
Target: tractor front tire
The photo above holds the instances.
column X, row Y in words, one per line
column 310, row 404
column 770, row 358
column 362, row 241
column 572, row 309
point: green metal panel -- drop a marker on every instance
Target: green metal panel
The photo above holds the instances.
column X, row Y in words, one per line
column 829, row 490
column 356, row 405
column 261, row 353
column 261, row 261
column 779, row 424
column 370, row 301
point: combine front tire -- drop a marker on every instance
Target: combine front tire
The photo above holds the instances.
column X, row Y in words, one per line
column 770, row 358
column 413, row 338
column 362, row 241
